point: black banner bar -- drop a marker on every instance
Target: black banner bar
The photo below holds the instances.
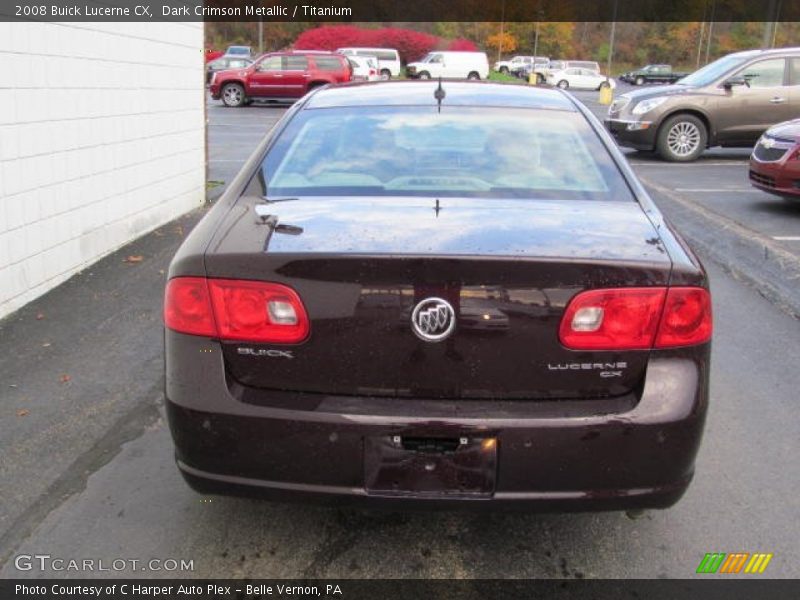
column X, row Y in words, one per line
column 355, row 11
column 709, row 588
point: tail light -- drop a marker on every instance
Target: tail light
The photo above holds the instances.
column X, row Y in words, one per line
column 229, row 309
column 637, row 319
column 687, row 318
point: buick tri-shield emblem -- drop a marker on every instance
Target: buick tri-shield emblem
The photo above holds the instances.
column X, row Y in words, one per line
column 433, row 319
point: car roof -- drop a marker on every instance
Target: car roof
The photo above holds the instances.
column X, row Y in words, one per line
column 457, row 93
column 768, row 51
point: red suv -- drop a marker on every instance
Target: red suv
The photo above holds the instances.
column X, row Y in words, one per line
column 279, row 76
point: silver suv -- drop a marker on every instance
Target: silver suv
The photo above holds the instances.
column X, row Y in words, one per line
column 729, row 102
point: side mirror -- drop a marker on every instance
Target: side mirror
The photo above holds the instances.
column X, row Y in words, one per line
column 732, row 81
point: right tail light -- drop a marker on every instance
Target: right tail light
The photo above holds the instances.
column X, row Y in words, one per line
column 637, row 318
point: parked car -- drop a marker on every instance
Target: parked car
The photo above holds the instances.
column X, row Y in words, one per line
column 537, row 66
column 239, row 52
column 281, row 77
column 545, row 70
column 388, row 59
column 224, row 63
column 580, row 79
column 365, row 68
column 450, row 65
column 652, row 74
column 729, row 102
column 516, row 64
column 287, row 375
column 775, row 162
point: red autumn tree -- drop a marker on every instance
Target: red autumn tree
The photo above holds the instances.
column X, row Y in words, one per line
column 462, row 45
column 412, row 45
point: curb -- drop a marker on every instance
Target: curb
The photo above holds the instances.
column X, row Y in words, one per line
column 749, row 256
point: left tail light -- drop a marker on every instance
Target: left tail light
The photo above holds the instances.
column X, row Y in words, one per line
column 235, row 310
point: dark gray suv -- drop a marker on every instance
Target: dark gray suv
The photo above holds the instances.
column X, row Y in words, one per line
column 729, row 102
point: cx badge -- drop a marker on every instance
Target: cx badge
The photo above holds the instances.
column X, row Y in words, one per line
column 433, row 320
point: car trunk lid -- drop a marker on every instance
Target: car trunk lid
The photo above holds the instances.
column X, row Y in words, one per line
column 507, row 267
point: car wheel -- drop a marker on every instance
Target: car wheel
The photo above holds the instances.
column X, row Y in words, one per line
column 603, row 85
column 233, row 95
column 639, row 81
column 386, row 74
column 473, row 76
column 682, row 138
column 504, row 70
column 563, row 84
column 424, row 75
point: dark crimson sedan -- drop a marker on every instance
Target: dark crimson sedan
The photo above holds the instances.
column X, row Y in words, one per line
column 775, row 162
column 416, row 295
column 280, row 77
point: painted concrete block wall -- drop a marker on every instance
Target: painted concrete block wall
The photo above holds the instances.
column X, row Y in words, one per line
column 102, row 139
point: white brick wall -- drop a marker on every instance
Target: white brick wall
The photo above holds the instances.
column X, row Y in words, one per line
column 101, row 140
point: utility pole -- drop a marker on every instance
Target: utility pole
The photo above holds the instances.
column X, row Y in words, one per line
column 260, row 37
column 711, row 28
column 771, row 24
column 502, row 26
column 611, row 40
column 700, row 43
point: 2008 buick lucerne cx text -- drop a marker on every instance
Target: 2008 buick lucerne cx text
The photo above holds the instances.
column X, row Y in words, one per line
column 422, row 294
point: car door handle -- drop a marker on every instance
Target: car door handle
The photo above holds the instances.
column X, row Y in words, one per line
column 278, row 74
column 777, row 100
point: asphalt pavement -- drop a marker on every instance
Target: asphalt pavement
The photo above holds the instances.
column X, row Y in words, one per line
column 86, row 458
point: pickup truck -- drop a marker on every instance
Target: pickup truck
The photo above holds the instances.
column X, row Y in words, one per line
column 652, row 74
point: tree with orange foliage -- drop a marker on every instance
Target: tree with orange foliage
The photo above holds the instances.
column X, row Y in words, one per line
column 502, row 42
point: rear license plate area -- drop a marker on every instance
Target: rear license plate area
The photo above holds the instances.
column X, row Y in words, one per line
column 421, row 466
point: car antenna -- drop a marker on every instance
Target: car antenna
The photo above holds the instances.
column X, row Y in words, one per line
column 439, row 94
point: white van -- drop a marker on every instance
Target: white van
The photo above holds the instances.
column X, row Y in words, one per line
column 388, row 59
column 450, row 65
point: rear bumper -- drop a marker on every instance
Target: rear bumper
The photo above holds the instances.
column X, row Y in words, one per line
column 550, row 456
column 628, row 133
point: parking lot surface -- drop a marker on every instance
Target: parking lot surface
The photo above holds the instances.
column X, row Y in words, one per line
column 88, row 470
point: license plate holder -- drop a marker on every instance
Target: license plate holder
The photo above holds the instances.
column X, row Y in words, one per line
column 464, row 467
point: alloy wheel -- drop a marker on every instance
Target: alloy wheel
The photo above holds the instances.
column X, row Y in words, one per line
column 683, row 138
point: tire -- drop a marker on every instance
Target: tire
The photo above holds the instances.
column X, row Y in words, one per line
column 603, row 86
column 563, row 84
column 681, row 138
column 504, row 70
column 424, row 75
column 233, row 95
column 639, row 81
column 473, row 76
column 386, row 74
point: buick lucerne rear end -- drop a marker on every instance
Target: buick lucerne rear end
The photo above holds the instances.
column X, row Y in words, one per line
column 449, row 295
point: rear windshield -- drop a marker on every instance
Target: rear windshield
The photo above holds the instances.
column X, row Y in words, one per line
column 460, row 151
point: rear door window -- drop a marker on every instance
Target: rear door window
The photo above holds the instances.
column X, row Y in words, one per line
column 295, row 63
